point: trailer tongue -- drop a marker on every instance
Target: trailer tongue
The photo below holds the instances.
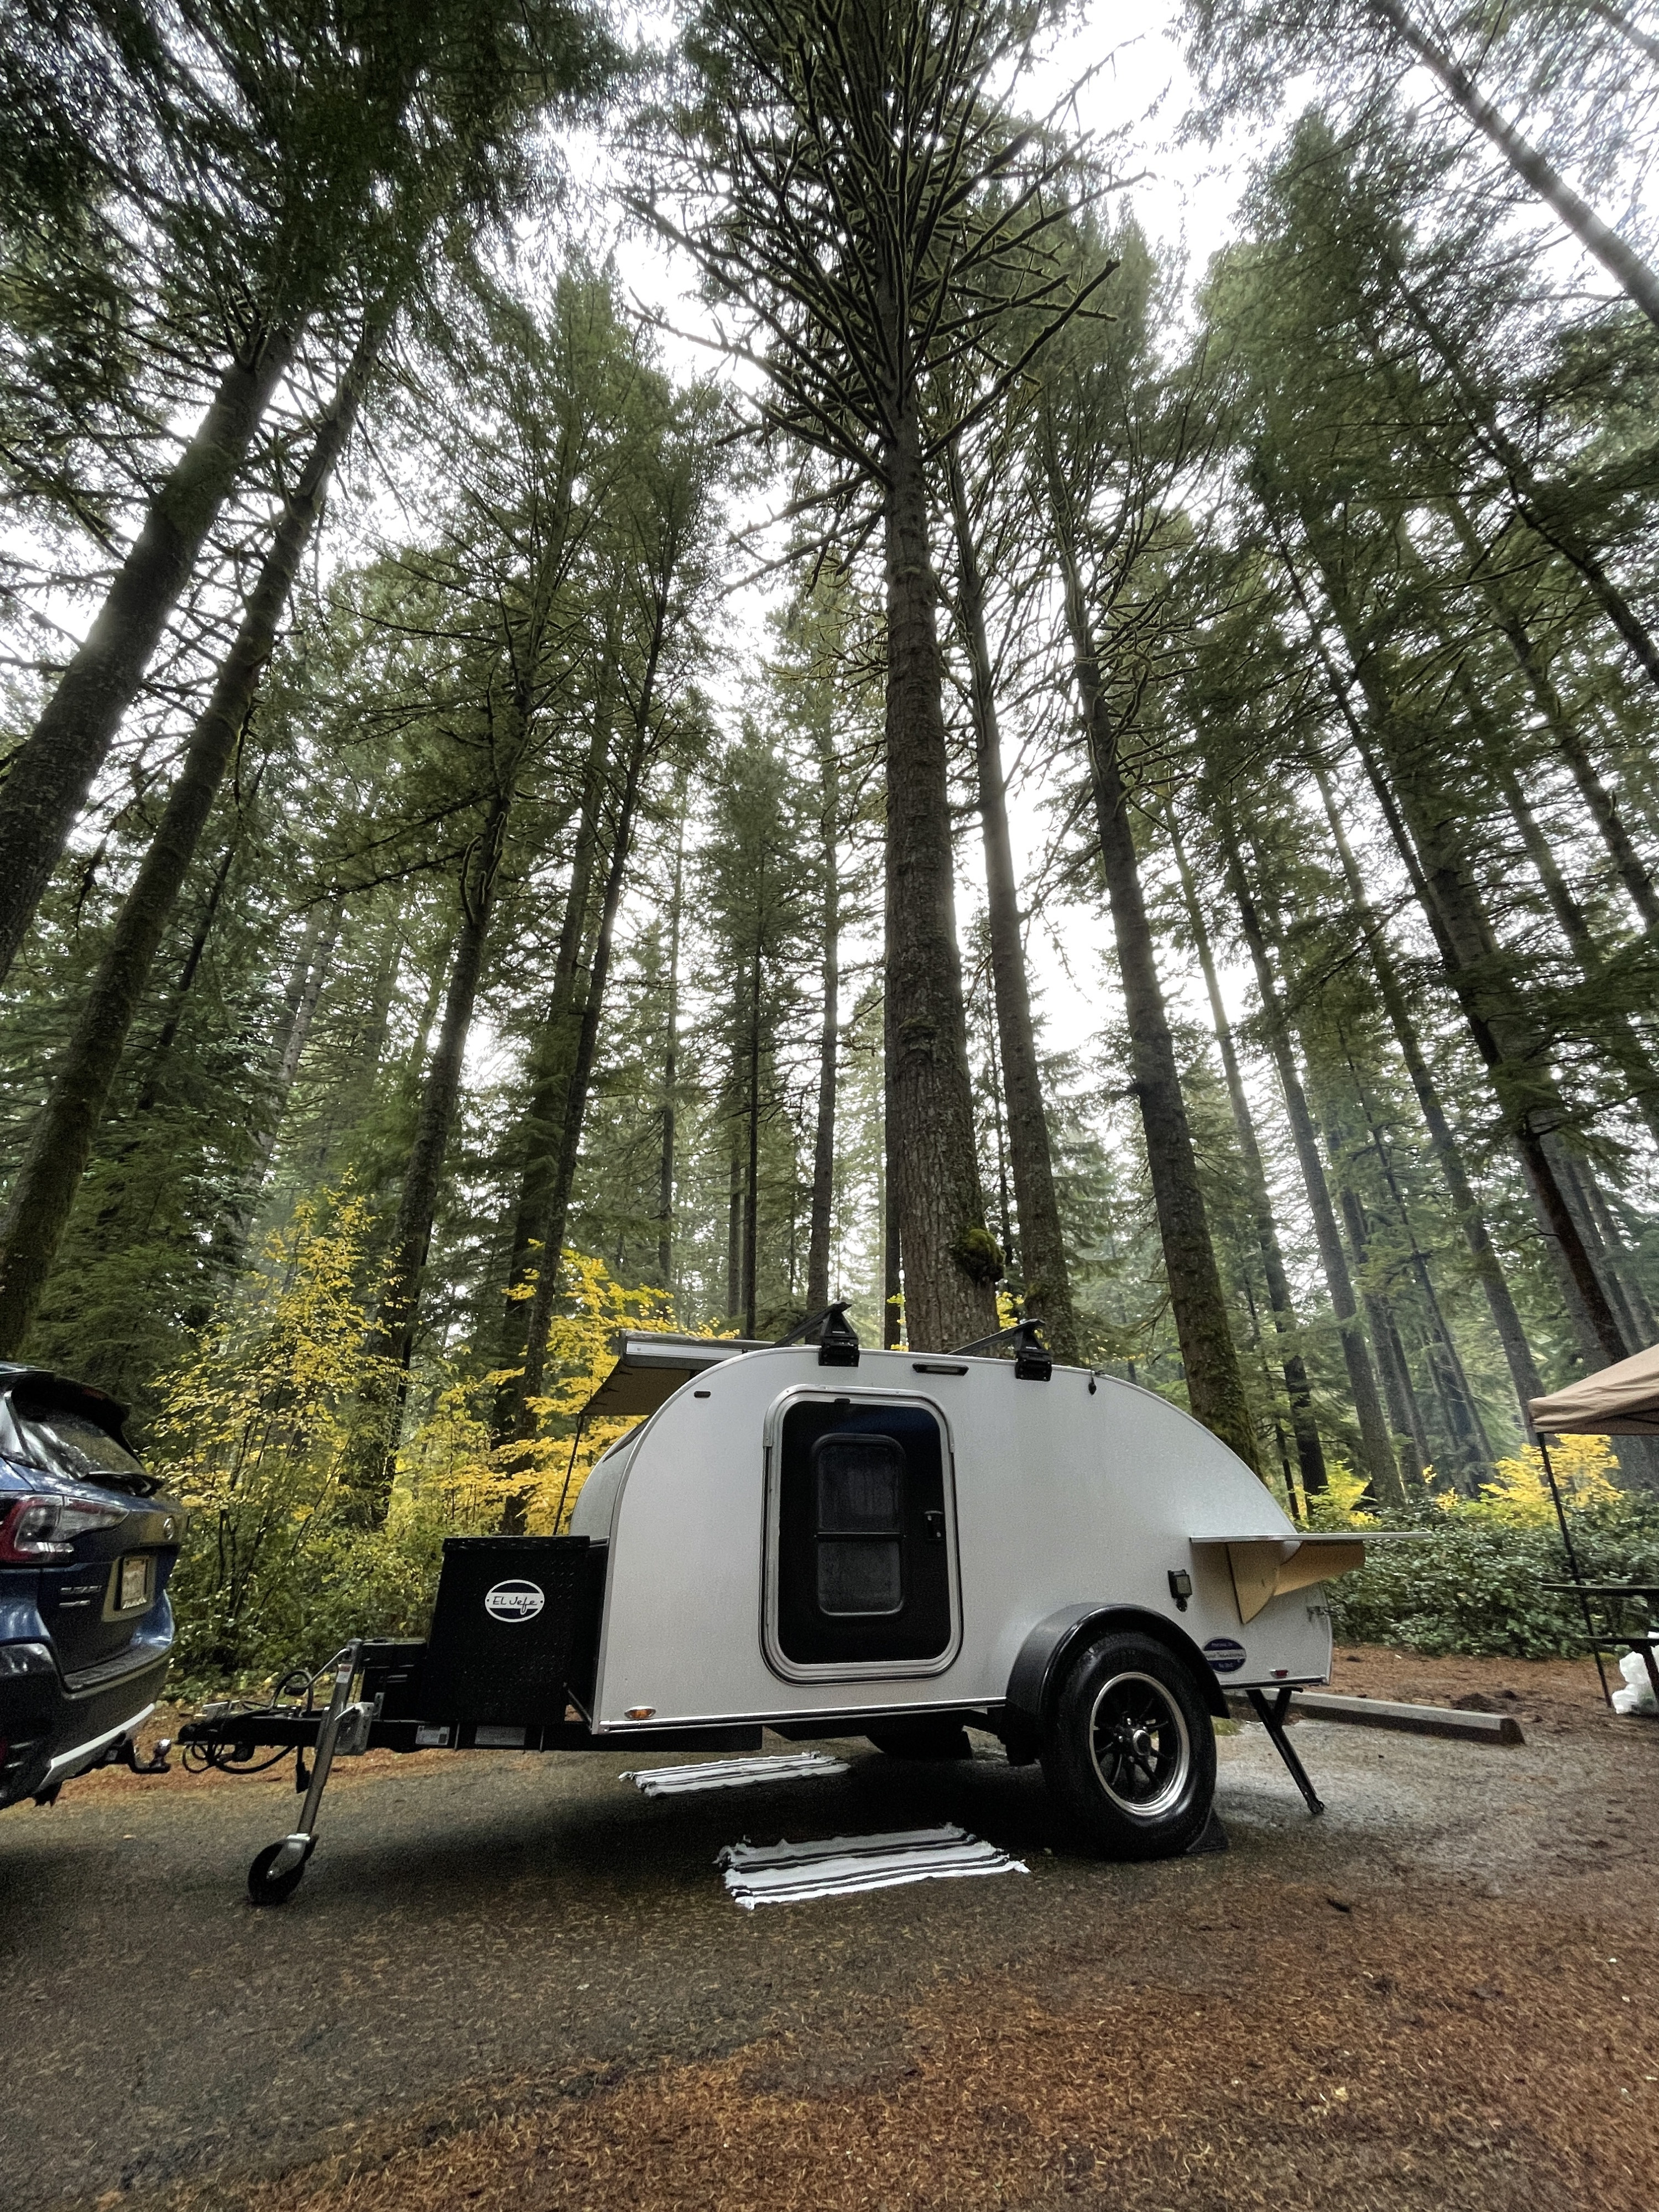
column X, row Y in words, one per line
column 828, row 1542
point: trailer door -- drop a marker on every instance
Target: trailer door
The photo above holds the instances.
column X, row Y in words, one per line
column 862, row 1563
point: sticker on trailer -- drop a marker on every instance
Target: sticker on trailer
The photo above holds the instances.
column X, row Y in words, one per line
column 1224, row 1654
column 518, row 1601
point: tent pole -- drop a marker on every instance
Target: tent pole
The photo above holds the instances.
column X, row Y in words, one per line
column 1573, row 1568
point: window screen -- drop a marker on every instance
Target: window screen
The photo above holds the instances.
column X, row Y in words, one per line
column 858, row 1487
column 859, row 1577
column 861, row 1485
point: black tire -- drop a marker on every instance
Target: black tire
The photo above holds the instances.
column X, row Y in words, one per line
column 1129, row 1751
column 929, row 1736
column 265, row 1887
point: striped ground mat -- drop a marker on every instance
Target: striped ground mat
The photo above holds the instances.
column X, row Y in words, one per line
column 787, row 1873
column 729, row 1773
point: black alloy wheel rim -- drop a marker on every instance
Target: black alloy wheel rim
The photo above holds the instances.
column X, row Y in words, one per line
column 1140, row 1744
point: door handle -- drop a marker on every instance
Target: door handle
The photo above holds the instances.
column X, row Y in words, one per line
column 935, row 1523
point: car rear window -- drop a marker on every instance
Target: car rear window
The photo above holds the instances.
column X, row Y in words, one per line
column 72, row 1443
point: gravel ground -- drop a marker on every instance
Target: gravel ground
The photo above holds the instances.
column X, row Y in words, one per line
column 514, row 1981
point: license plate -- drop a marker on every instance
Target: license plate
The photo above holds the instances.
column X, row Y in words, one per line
column 133, row 1588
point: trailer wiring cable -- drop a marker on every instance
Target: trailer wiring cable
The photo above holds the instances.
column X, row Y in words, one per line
column 295, row 1692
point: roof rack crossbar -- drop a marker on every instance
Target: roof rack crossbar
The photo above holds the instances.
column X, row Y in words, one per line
column 1033, row 1361
column 838, row 1339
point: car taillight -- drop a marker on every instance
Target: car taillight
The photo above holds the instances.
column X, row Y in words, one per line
column 46, row 1527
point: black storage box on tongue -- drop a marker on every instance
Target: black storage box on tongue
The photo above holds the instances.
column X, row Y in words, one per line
column 515, row 1630
column 392, row 1668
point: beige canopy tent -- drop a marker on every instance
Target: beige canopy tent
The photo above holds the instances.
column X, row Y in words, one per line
column 1621, row 1400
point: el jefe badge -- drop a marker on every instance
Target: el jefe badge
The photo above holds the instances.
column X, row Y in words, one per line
column 514, row 1601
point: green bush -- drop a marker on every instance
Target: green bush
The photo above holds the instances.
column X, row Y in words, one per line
column 1475, row 1585
column 348, row 1582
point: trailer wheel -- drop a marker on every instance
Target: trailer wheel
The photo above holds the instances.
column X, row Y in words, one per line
column 1129, row 1751
column 266, row 1884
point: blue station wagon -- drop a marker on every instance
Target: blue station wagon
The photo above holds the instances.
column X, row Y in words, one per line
column 86, row 1549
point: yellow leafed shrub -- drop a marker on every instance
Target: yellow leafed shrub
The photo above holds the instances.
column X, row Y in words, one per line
column 1337, row 1506
column 258, row 1435
column 256, row 1430
column 448, row 1463
column 1521, row 1497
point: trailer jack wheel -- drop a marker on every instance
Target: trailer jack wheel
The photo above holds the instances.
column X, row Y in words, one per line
column 275, row 1875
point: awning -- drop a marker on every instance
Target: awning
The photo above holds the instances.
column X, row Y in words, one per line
column 650, row 1366
column 1620, row 1400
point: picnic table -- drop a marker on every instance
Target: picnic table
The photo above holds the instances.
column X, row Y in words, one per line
column 1617, row 1637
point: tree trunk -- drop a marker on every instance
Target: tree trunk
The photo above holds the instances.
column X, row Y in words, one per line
column 547, row 1226
column 1623, row 1047
column 552, row 1066
column 1376, row 1445
column 167, row 1035
column 1310, row 1456
column 1619, row 1036
column 951, row 1262
column 62, row 1139
column 1005, row 1201
column 49, row 776
column 1595, row 1217
column 1411, row 1436
column 671, row 1064
column 1569, row 742
column 1506, row 1320
column 372, row 1036
column 1047, row 1277
column 552, row 1226
column 1463, row 1423
column 733, row 1219
column 1624, row 265
column 305, row 988
column 1617, row 19
column 391, row 1334
column 413, row 1070
column 1215, row 1383
column 893, row 1267
column 411, row 1238
column 751, row 1167
column 1515, row 1056
column 822, row 1219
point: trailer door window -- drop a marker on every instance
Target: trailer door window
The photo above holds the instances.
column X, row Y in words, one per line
column 858, row 1489
column 863, row 1560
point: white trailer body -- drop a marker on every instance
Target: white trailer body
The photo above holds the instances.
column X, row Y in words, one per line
column 1078, row 1491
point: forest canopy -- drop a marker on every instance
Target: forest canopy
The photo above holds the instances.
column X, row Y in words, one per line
column 660, row 670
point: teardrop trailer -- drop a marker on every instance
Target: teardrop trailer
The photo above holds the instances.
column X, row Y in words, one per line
column 826, row 1540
